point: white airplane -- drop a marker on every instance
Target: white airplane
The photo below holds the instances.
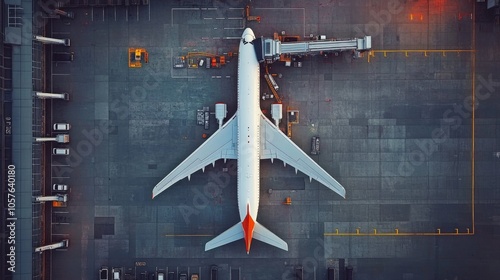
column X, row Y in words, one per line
column 248, row 136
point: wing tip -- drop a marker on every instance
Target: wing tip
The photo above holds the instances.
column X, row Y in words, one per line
column 208, row 248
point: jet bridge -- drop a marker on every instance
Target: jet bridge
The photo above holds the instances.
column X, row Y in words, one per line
column 62, row 244
column 271, row 49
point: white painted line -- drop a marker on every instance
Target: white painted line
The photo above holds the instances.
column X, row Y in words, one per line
column 220, row 18
column 303, row 15
column 182, row 9
column 235, row 8
column 208, row 18
column 233, row 28
column 231, row 38
column 234, row 18
column 216, row 38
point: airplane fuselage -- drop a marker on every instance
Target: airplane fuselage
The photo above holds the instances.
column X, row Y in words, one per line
column 242, row 137
column 248, row 129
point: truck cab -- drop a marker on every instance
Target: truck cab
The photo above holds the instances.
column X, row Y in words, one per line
column 117, row 273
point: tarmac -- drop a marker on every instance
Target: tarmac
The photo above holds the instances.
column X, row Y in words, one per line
column 419, row 164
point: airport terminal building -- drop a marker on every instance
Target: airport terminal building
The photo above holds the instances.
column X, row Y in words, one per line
column 21, row 71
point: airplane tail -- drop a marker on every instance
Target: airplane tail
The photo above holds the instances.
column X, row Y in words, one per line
column 236, row 233
column 263, row 234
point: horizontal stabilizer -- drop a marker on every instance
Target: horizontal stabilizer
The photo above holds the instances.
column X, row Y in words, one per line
column 236, row 233
column 232, row 234
column 263, row 234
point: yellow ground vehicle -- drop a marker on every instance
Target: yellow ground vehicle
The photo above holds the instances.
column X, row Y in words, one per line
column 136, row 56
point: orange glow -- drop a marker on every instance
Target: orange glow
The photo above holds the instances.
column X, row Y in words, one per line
column 417, row 16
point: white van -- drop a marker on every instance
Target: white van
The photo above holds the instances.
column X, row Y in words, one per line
column 60, row 151
column 60, row 187
column 62, row 126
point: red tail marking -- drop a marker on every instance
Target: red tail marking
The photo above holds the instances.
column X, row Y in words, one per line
column 248, row 225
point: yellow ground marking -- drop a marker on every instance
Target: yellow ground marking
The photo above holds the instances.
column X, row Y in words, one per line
column 407, row 53
column 469, row 231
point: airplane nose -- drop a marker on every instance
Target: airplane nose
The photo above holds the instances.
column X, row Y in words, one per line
column 248, row 35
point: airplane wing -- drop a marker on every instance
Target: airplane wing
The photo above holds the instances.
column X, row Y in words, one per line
column 275, row 144
column 221, row 145
column 230, row 235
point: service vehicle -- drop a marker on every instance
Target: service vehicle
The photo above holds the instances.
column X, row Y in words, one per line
column 103, row 273
column 60, row 151
column 60, row 187
column 62, row 126
column 315, row 145
column 117, row 273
